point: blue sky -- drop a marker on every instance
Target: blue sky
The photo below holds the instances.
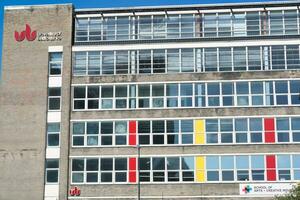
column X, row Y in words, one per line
column 106, row 4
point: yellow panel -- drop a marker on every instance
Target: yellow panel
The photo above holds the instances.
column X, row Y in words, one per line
column 200, row 163
column 200, row 166
column 199, row 126
column 199, row 132
column 200, row 176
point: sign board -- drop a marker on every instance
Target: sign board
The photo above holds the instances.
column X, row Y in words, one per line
column 265, row 189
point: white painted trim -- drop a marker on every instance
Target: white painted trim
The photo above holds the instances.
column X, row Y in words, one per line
column 174, row 45
column 176, row 155
column 51, row 190
column 167, row 82
column 52, row 152
column 178, row 118
column 55, row 48
column 55, row 81
column 54, row 116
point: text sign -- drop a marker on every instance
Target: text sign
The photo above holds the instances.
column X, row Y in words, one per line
column 266, row 189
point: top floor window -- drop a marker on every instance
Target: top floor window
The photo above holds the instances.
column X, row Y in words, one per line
column 170, row 26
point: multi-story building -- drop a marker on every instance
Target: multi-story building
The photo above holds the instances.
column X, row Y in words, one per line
column 168, row 102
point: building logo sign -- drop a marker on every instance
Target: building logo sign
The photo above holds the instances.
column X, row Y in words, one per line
column 75, row 191
column 32, row 35
column 265, row 189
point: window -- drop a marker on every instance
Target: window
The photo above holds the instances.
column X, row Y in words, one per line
column 276, row 22
column 283, row 167
column 158, row 130
column 173, row 169
column 187, row 166
column 187, row 26
column 108, row 62
column 239, row 24
column 81, row 26
column 92, row 130
column 281, row 90
column 159, row 61
column 212, row 167
column 295, row 91
column 224, row 24
column 255, row 130
column 93, row 63
column 159, row 26
column 92, row 169
column 239, row 58
column 210, row 59
column 292, row 57
column 121, row 132
column 258, row 168
column 227, row 167
column 254, row 58
column 172, row 131
column 296, row 166
column 172, row 95
column 158, row 92
column 278, row 59
column 226, row 129
column 144, row 96
column 53, row 132
column 186, row 94
column 122, row 28
column 242, row 166
column 173, row 26
column 144, row 132
column 109, row 28
column 225, row 59
column 54, row 98
column 210, row 25
column 283, row 127
column 252, row 23
column 122, row 62
column 187, row 130
column 107, row 93
column 55, row 63
column 121, row 96
column 106, row 170
column 241, row 130
column 158, row 169
column 78, row 133
column 93, row 97
column 52, row 169
column 80, row 61
column 290, row 22
column 145, row 62
column 213, row 93
column 121, row 169
column 95, row 29
column 79, row 97
column 295, row 121
column 106, row 133
column 242, row 91
column 173, row 60
column 212, row 130
column 227, row 94
column 145, row 165
column 257, row 92
column 78, row 170
column 200, row 95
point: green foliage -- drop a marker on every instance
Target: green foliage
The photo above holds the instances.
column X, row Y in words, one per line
column 294, row 194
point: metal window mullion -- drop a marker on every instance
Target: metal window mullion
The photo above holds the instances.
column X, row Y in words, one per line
column 285, row 56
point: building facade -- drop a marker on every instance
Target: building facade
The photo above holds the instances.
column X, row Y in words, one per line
column 168, row 102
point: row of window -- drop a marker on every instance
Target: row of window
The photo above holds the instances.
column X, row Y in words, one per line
column 279, row 57
column 210, row 168
column 225, row 24
column 186, row 131
column 187, row 95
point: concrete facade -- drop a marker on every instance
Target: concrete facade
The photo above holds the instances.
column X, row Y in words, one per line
column 24, row 97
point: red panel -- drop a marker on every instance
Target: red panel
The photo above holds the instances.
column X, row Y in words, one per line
column 271, row 162
column 269, row 124
column 270, row 137
column 132, row 127
column 271, row 175
column 132, row 132
column 132, row 140
column 132, row 176
column 269, row 130
column 132, row 164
